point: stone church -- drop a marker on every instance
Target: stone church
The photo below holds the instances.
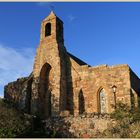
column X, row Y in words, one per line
column 62, row 84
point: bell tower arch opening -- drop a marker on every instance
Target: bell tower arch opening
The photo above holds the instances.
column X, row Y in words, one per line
column 48, row 29
column 52, row 28
column 45, row 92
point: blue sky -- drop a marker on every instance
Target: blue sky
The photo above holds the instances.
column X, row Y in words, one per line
column 98, row 33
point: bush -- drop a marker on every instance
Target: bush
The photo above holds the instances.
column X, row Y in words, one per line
column 121, row 111
column 16, row 124
column 127, row 123
column 12, row 122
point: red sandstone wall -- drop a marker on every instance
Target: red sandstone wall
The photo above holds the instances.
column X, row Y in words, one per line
column 92, row 79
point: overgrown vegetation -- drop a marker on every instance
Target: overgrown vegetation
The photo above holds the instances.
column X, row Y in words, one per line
column 12, row 122
column 17, row 124
column 126, row 123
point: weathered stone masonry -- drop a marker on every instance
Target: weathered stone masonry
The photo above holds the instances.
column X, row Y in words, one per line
column 62, row 84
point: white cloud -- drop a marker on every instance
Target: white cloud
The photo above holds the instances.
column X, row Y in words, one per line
column 14, row 64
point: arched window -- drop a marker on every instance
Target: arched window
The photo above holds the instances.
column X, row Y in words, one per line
column 81, row 102
column 48, row 29
column 103, row 101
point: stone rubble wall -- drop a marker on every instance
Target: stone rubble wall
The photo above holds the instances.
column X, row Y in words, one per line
column 83, row 126
column 12, row 91
column 19, row 92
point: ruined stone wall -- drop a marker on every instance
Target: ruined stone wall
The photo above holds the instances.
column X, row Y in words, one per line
column 88, row 81
column 105, row 77
column 83, row 126
column 19, row 92
column 12, row 91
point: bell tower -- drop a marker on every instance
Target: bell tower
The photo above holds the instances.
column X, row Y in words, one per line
column 52, row 28
column 49, row 84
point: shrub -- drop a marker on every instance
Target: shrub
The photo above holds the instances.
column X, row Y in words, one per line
column 127, row 122
column 12, row 122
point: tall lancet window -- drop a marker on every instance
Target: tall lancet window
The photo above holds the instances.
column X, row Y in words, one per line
column 103, row 101
column 48, row 29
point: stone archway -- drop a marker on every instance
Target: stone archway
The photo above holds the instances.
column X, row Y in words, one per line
column 45, row 92
column 103, row 101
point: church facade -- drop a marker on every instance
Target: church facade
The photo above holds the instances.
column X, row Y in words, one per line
column 61, row 83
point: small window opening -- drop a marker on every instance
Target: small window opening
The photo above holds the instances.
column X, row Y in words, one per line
column 48, row 29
